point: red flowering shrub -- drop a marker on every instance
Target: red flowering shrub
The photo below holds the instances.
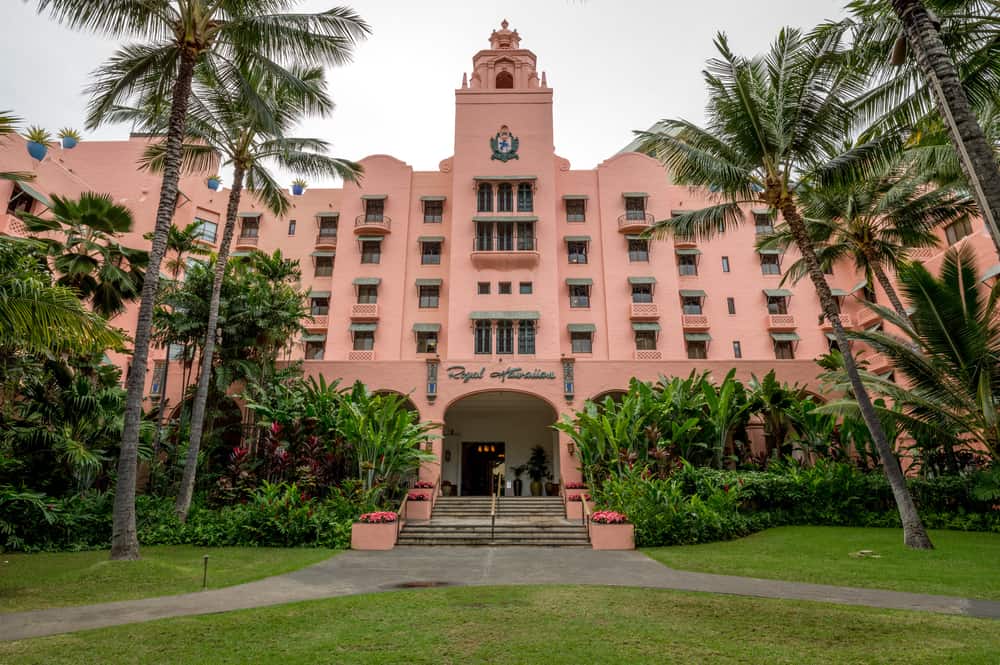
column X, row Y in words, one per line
column 382, row 517
column 608, row 517
column 576, row 486
column 417, row 496
column 578, row 497
column 423, row 484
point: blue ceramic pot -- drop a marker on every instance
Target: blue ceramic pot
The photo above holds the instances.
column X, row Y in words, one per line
column 37, row 150
column 214, row 184
column 68, row 142
column 298, row 189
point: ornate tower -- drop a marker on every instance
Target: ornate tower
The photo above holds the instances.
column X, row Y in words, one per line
column 505, row 65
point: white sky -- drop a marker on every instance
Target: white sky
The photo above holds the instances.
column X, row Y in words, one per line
column 614, row 66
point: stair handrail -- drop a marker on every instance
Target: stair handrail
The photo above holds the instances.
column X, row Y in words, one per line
column 586, row 513
column 494, row 500
column 401, row 513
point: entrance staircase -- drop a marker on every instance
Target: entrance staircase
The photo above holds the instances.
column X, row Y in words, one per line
column 538, row 521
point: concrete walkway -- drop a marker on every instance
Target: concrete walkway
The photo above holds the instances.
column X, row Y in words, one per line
column 405, row 567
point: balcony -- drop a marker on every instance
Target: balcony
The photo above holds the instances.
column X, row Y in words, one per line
column 923, row 253
column 326, row 240
column 372, row 224
column 694, row 322
column 364, row 311
column 643, row 310
column 12, row 226
column 246, row 242
column 318, row 322
column 845, row 320
column 634, row 221
column 684, row 242
column 504, row 252
column 780, row 322
column 867, row 318
column 361, row 355
column 648, row 354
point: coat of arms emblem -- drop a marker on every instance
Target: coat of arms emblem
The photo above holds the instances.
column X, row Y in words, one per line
column 504, row 145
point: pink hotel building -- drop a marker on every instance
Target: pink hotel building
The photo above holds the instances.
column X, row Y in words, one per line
column 505, row 288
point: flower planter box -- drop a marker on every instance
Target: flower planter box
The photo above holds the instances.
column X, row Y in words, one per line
column 419, row 510
column 574, row 509
column 612, row 536
column 365, row 536
column 575, row 492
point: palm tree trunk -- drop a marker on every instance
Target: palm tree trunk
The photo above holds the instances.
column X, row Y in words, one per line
column 888, row 287
column 124, row 540
column 186, row 490
column 914, row 533
column 974, row 153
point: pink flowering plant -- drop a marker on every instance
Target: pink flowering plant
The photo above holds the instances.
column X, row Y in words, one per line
column 417, row 496
column 576, row 486
column 381, row 517
column 423, row 485
column 608, row 517
column 578, row 497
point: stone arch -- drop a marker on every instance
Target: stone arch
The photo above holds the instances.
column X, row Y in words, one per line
column 408, row 403
column 615, row 394
column 504, row 80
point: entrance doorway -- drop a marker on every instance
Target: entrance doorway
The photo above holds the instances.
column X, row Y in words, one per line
column 479, row 459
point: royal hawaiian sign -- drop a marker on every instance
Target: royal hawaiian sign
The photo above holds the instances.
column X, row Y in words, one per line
column 465, row 374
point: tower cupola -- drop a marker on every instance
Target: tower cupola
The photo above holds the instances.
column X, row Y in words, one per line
column 505, row 65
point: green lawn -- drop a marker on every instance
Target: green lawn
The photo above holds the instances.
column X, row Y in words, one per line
column 964, row 564
column 36, row 581
column 531, row 625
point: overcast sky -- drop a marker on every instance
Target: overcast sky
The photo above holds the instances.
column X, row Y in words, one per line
column 614, row 65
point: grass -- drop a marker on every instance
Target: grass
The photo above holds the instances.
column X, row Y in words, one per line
column 37, row 581
column 531, row 625
column 964, row 564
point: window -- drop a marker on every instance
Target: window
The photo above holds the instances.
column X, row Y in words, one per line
column 737, row 350
column 503, row 288
column 635, row 208
column 525, row 288
column 484, row 197
column 328, row 227
column 159, row 373
column 784, row 351
column 576, row 210
column 484, row 237
column 577, row 251
column 579, row 295
column 367, row 294
column 642, row 293
column 691, row 304
column 769, row 264
column 319, row 305
column 207, row 231
column 433, row 212
column 250, row 227
column 525, row 197
column 777, row 305
column 484, row 337
column 374, row 210
column 526, row 337
column 430, row 297
column 291, row 227
column 20, row 201
column 505, row 197
column 314, row 350
column 430, row 252
column 427, row 342
column 725, row 264
column 371, row 251
column 504, row 237
column 832, row 344
column 957, row 230
column 581, row 342
column 638, row 250
column 763, row 223
column 525, row 236
column 324, row 266
column 483, row 288
column 505, row 337
column 364, row 340
column 697, row 350
column 505, row 80
column 687, row 264
column 731, row 305
column 645, row 340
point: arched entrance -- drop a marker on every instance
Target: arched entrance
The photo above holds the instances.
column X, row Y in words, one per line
column 492, row 427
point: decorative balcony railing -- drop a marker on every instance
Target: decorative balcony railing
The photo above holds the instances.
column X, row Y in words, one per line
column 361, row 355
column 632, row 221
column 247, row 241
column 318, row 321
column 372, row 224
column 364, row 310
column 684, row 241
column 503, row 252
column 845, row 320
column 694, row 321
column 780, row 321
column 648, row 354
column 12, row 226
column 643, row 310
column 512, row 243
column 326, row 240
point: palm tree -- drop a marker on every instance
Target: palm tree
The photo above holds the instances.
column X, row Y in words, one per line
column 182, row 243
column 776, row 403
column 949, row 357
column 221, row 35
column 773, row 122
column 90, row 260
column 874, row 222
column 249, row 138
column 8, row 125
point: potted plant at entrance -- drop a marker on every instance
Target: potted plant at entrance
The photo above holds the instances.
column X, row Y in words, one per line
column 610, row 530
column 518, row 483
column 538, row 468
column 375, row 531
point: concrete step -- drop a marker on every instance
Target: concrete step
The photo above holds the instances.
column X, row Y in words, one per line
column 486, row 542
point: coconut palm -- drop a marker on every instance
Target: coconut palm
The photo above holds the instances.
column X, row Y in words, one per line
column 250, row 138
column 873, row 222
column 949, row 358
column 8, row 125
column 773, row 122
column 182, row 244
column 221, row 35
column 89, row 259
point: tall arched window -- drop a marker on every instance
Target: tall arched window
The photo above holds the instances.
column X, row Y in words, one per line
column 485, row 198
column 505, row 197
column 524, row 198
column 505, row 80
